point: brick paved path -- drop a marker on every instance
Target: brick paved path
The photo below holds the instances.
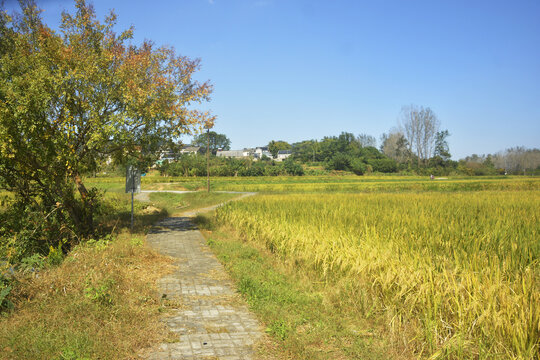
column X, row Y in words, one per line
column 211, row 321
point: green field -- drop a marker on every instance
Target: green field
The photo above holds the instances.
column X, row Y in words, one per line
column 452, row 263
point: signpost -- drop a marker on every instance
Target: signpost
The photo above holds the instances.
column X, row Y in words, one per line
column 133, row 185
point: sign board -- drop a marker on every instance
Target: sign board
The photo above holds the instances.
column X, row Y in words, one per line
column 133, row 180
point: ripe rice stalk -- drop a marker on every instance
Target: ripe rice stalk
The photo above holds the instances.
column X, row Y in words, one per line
column 465, row 263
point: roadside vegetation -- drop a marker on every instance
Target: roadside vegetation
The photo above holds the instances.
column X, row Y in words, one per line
column 99, row 300
column 449, row 274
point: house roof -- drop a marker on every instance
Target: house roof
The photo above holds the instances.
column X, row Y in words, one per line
column 284, row 152
column 191, row 148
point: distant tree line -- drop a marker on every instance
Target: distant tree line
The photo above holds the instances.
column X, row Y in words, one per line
column 417, row 145
column 515, row 161
column 195, row 165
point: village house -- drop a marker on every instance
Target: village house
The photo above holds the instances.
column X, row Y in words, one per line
column 262, row 151
column 188, row 149
column 283, row 154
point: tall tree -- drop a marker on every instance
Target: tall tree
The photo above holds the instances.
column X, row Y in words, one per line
column 72, row 98
column 420, row 125
column 441, row 145
column 217, row 141
column 366, row 140
column 395, row 146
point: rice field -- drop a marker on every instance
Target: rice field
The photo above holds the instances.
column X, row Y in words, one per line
column 344, row 184
column 456, row 272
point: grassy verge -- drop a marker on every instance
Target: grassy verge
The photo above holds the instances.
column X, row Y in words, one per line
column 100, row 303
column 306, row 318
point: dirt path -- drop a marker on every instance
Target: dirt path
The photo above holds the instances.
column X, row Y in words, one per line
column 211, row 320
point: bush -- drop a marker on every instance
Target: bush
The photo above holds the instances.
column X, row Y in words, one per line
column 358, row 167
column 292, row 167
column 339, row 162
column 383, row 165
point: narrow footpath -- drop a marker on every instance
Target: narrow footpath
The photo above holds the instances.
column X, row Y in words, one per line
column 210, row 320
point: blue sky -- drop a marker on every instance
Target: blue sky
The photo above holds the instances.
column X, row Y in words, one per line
column 296, row 70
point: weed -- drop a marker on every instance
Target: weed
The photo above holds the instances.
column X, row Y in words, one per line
column 279, row 328
column 101, row 292
column 32, row 263
column 56, row 256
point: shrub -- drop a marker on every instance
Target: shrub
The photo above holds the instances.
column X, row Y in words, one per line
column 358, row 167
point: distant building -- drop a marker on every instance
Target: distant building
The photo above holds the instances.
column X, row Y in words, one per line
column 170, row 155
column 230, row 153
column 191, row 150
column 262, row 151
column 283, row 154
column 248, row 152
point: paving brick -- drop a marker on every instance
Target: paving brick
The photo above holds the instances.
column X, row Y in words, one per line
column 208, row 325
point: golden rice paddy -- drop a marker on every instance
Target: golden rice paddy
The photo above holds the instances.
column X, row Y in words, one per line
column 459, row 268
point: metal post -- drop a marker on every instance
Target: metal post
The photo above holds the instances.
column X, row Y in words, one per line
column 132, row 191
column 208, row 160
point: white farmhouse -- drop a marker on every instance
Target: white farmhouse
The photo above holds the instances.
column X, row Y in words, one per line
column 262, row 151
column 283, row 154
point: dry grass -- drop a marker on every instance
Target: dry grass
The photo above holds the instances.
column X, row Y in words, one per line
column 96, row 304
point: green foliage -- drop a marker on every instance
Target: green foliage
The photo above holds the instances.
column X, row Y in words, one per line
column 72, row 354
column 358, row 167
column 275, row 146
column 31, row 229
column 72, row 98
column 195, row 165
column 293, row 168
column 56, row 256
column 383, row 165
column 279, row 329
column 442, row 149
column 32, row 263
column 5, row 289
column 217, row 141
column 339, row 161
column 101, row 292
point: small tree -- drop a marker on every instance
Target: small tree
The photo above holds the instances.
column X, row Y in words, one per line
column 71, row 99
column 275, row 146
column 441, row 145
column 217, row 141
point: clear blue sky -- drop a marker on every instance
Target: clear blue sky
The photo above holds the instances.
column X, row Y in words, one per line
column 296, row 70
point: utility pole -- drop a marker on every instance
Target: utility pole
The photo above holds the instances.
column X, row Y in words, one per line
column 208, row 160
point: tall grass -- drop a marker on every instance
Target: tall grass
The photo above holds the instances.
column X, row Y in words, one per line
column 460, row 269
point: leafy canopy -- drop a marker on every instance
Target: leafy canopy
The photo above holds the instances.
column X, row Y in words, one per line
column 72, row 98
column 217, row 141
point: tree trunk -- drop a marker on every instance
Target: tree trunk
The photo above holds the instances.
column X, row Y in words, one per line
column 86, row 212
